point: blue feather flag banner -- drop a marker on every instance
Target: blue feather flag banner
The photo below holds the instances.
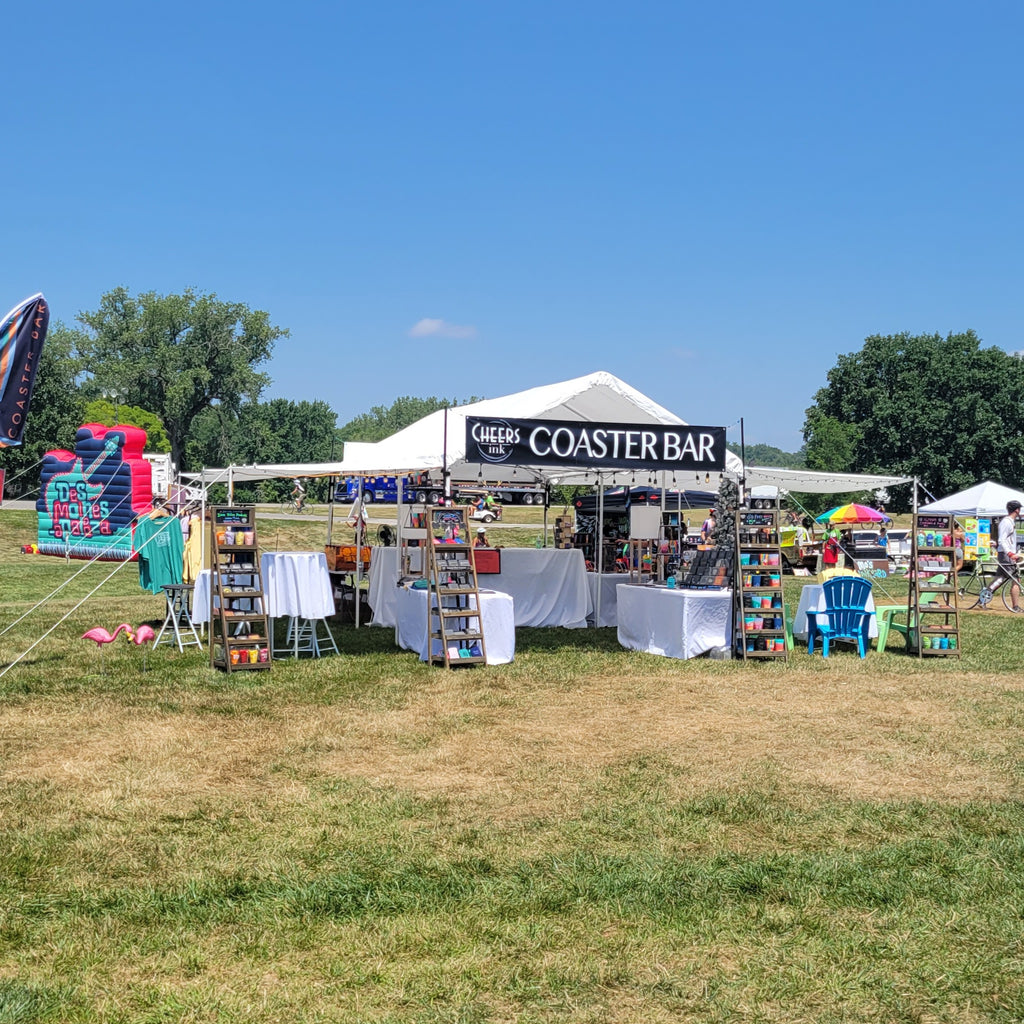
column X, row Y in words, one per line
column 22, row 333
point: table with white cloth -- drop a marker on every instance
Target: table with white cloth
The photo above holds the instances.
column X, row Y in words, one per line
column 812, row 597
column 673, row 622
column 297, row 586
column 609, row 581
column 497, row 621
column 547, row 585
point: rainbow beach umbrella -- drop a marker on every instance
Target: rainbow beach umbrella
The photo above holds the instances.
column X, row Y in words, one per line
column 850, row 515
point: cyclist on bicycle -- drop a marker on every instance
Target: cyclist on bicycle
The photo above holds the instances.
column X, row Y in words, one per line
column 1008, row 551
column 298, row 494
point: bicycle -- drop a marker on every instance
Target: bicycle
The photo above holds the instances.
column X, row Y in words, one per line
column 979, row 588
column 295, row 508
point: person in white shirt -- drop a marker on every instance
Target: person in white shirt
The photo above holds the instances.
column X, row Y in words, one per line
column 1007, row 552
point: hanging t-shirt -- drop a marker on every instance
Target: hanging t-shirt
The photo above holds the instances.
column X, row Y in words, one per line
column 160, row 551
column 193, row 561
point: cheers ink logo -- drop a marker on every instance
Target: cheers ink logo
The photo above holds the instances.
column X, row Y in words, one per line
column 495, row 439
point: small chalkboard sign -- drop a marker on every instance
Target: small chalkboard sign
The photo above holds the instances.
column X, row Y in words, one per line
column 757, row 519
column 932, row 522
column 224, row 516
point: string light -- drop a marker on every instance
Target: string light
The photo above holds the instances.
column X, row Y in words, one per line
column 707, row 478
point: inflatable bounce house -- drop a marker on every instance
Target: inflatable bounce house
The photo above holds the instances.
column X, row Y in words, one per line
column 89, row 498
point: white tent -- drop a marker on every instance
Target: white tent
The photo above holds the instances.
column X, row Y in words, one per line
column 812, row 482
column 263, row 471
column 596, row 397
column 984, row 499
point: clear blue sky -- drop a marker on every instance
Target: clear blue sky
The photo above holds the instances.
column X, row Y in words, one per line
column 710, row 200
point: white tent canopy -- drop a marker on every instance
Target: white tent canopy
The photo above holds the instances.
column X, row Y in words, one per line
column 595, row 398
column 984, row 499
column 268, row 471
column 812, row 482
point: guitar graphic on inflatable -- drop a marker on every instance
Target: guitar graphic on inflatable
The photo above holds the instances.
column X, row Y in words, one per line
column 74, row 500
column 89, row 498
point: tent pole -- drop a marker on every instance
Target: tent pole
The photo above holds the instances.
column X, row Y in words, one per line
column 398, row 543
column 359, row 550
column 231, row 485
column 547, row 501
column 915, row 494
column 600, row 548
column 330, row 508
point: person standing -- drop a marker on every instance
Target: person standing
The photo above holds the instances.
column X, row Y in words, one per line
column 1007, row 551
column 707, row 531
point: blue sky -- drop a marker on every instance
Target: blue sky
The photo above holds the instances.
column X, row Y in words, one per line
column 708, row 200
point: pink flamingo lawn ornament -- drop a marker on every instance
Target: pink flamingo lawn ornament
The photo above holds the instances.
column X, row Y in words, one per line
column 142, row 636
column 101, row 638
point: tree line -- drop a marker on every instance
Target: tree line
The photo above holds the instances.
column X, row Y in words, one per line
column 187, row 368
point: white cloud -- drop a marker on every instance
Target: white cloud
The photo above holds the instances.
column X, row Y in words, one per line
column 430, row 326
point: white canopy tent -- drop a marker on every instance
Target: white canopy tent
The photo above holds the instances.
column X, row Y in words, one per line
column 439, row 439
column 813, row 482
column 263, row 471
column 984, row 499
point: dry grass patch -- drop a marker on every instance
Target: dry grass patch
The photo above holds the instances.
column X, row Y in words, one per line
column 845, row 732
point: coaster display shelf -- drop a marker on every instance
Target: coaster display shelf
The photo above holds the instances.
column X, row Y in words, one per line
column 455, row 635
column 239, row 627
column 933, row 602
column 760, row 610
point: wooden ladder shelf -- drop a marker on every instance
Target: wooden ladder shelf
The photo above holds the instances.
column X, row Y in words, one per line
column 933, row 618
column 454, row 625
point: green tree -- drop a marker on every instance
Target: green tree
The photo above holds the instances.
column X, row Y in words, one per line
column 101, row 410
column 769, row 455
column 943, row 409
column 384, row 420
column 55, row 414
column 178, row 355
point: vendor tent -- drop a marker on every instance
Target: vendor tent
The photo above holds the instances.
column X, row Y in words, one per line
column 813, row 482
column 439, row 439
column 984, row 499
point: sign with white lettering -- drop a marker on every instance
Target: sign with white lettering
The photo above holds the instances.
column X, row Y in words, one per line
column 515, row 442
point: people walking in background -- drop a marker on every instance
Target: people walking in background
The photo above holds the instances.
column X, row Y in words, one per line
column 1008, row 550
column 707, row 531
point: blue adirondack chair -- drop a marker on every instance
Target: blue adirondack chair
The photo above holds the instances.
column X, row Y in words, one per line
column 844, row 615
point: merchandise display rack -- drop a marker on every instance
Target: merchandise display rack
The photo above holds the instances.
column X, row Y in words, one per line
column 760, row 609
column 455, row 635
column 415, row 534
column 933, row 602
column 239, row 626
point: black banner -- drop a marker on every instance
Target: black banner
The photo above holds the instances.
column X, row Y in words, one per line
column 646, row 446
column 22, row 334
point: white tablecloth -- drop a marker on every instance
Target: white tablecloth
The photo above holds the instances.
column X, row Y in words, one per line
column 674, row 623
column 609, row 581
column 547, row 585
column 811, row 597
column 497, row 617
column 295, row 583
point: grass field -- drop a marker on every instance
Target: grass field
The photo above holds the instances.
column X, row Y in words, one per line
column 586, row 835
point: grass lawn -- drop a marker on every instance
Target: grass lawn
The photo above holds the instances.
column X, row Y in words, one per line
column 586, row 835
